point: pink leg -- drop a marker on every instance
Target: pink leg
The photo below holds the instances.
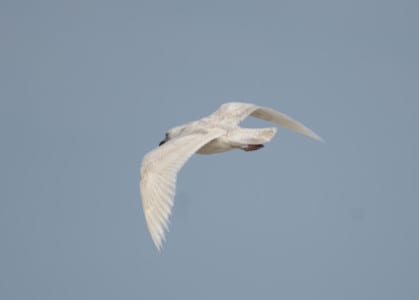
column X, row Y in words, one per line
column 252, row 147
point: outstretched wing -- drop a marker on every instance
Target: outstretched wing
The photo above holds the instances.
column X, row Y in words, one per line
column 158, row 179
column 236, row 112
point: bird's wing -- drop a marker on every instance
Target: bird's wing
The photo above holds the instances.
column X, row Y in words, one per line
column 285, row 121
column 236, row 112
column 158, row 179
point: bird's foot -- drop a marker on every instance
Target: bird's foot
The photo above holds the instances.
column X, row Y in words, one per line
column 252, row 147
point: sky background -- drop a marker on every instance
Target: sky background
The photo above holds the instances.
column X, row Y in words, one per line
column 87, row 88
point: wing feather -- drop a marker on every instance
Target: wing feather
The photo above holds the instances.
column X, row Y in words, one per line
column 158, row 179
column 235, row 112
column 285, row 121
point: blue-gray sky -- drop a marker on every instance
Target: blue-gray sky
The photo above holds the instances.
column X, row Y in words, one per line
column 89, row 87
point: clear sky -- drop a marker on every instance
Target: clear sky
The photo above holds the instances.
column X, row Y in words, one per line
column 88, row 87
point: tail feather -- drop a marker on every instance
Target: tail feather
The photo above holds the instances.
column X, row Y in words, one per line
column 247, row 136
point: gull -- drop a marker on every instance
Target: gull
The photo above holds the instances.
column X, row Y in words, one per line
column 219, row 132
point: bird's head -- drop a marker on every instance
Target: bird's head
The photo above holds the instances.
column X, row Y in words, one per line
column 174, row 132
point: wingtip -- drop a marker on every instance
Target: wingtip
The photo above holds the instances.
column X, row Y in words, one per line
column 311, row 134
column 158, row 245
column 159, row 241
column 318, row 138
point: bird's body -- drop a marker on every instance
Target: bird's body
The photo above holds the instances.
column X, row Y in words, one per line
column 219, row 132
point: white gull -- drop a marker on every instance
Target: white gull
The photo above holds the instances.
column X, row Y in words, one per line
column 219, row 132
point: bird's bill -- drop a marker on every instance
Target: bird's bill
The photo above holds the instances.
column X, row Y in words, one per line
column 163, row 141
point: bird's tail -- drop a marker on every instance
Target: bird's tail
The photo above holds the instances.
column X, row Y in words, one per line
column 246, row 136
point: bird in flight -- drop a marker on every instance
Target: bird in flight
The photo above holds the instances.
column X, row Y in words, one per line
column 219, row 132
